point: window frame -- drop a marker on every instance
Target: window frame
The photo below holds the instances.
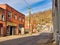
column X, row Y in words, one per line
column 15, row 17
column 2, row 17
column 19, row 18
column 9, row 14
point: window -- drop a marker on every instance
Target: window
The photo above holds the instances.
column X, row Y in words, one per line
column 15, row 17
column 2, row 17
column 9, row 14
column 19, row 18
column 23, row 20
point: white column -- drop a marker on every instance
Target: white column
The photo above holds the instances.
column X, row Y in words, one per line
column 59, row 20
column 56, row 20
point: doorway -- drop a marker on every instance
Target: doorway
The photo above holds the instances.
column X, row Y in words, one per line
column 11, row 30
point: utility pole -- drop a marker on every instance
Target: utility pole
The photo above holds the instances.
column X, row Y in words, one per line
column 56, row 20
column 29, row 11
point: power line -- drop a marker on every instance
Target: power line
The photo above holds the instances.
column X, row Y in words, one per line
column 27, row 4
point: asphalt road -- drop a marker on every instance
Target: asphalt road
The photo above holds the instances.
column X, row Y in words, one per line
column 42, row 39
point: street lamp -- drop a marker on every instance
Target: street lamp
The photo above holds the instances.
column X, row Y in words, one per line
column 29, row 10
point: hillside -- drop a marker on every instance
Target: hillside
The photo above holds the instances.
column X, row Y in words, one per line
column 40, row 18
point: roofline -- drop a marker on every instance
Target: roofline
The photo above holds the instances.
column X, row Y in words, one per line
column 1, row 8
column 13, row 8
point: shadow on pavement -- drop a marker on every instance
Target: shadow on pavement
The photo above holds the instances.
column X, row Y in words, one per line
column 43, row 38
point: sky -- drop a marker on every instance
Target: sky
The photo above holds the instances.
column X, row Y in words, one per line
column 35, row 5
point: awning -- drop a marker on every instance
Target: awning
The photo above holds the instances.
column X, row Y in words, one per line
column 11, row 24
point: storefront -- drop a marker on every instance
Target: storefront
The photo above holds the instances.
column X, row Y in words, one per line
column 11, row 28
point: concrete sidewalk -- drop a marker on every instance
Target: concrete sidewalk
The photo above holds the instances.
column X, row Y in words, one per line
column 27, row 39
column 17, row 36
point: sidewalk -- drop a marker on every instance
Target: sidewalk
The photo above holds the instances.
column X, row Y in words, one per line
column 17, row 36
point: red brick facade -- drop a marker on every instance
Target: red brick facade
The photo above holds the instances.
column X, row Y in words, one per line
column 12, row 17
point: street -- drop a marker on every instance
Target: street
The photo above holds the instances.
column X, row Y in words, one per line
column 41, row 39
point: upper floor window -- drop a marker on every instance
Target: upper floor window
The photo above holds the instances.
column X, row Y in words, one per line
column 9, row 14
column 23, row 20
column 19, row 18
column 2, row 17
column 15, row 17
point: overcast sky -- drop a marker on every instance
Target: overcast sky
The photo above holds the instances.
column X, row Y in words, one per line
column 35, row 5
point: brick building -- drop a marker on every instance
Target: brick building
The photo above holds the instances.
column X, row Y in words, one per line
column 11, row 21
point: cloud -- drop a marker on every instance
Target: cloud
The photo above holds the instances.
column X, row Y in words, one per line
column 42, row 8
column 33, row 1
column 13, row 3
column 18, row 3
column 39, row 6
column 21, row 5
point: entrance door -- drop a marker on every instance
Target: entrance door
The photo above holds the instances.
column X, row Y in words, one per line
column 10, row 30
